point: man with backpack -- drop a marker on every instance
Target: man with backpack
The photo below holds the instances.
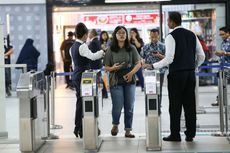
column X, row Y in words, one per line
column 65, row 46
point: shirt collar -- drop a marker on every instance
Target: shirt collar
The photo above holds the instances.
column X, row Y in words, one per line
column 93, row 38
column 80, row 41
column 154, row 43
column 177, row 28
column 227, row 40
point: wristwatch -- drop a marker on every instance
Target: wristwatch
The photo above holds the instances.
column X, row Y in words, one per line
column 152, row 66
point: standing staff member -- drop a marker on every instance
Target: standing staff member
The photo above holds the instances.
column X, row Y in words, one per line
column 183, row 54
column 81, row 56
column 65, row 46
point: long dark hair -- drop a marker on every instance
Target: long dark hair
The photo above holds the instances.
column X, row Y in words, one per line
column 137, row 36
column 101, row 39
column 114, row 45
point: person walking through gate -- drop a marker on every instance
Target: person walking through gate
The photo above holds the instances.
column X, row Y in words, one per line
column 183, row 54
column 154, row 52
column 122, row 61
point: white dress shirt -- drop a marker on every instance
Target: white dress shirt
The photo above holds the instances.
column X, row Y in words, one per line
column 170, row 46
column 86, row 52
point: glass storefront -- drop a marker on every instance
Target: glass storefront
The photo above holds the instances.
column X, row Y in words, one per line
column 142, row 17
column 203, row 19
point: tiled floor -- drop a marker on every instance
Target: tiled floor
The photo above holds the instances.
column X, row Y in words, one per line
column 208, row 124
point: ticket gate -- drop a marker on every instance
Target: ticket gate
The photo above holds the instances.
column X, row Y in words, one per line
column 32, row 111
column 153, row 119
column 91, row 95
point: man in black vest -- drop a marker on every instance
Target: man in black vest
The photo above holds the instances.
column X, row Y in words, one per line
column 183, row 54
column 81, row 56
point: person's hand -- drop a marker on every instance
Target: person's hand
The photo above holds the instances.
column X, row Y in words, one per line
column 147, row 66
column 117, row 66
column 220, row 53
column 156, row 54
column 128, row 77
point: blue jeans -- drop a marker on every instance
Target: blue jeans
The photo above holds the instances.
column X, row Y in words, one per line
column 123, row 96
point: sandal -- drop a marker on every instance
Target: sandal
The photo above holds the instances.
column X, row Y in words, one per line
column 129, row 135
column 114, row 131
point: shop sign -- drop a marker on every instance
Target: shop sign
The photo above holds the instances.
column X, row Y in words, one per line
column 122, row 19
column 104, row 19
column 141, row 18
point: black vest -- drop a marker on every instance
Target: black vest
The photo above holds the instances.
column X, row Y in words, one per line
column 80, row 63
column 95, row 46
column 185, row 49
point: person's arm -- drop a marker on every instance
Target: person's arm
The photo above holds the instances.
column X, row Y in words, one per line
column 86, row 52
column 129, row 75
column 170, row 46
column 136, row 65
column 200, row 56
column 9, row 52
column 62, row 50
column 113, row 68
column 137, row 43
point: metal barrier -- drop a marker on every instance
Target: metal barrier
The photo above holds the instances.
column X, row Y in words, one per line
column 91, row 93
column 223, row 77
column 32, row 111
column 52, row 103
column 22, row 66
column 227, row 102
column 3, row 133
column 153, row 119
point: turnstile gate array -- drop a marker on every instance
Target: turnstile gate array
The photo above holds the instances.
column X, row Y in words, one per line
column 91, row 95
column 33, row 111
column 153, row 119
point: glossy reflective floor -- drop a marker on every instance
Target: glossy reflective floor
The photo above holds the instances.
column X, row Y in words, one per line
column 207, row 120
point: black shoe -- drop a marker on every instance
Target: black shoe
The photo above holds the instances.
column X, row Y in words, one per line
column 78, row 134
column 188, row 139
column 71, row 88
column 215, row 104
column 170, row 138
column 99, row 132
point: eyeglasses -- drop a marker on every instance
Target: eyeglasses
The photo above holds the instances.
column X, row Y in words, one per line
column 120, row 33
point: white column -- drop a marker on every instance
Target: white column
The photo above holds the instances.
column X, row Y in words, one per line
column 3, row 132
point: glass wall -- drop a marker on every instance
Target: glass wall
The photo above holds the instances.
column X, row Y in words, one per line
column 142, row 17
column 203, row 19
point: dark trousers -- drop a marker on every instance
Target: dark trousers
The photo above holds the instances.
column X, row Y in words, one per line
column 79, row 108
column 161, row 85
column 7, row 77
column 139, row 74
column 181, row 89
column 67, row 68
